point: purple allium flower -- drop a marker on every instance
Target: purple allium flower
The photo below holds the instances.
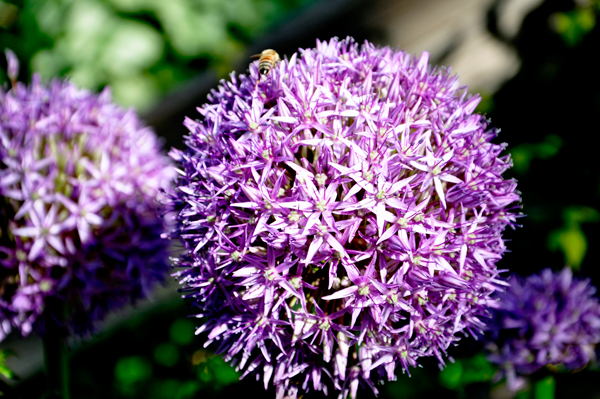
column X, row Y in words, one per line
column 79, row 221
column 342, row 216
column 545, row 319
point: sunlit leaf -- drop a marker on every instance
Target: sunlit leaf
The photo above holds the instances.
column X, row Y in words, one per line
column 571, row 242
column 571, row 239
column 544, row 389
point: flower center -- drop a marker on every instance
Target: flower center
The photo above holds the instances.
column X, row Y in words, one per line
column 321, row 178
column 270, row 274
column 324, row 325
column 296, row 282
column 321, row 205
column 321, row 229
column 293, row 216
column 364, row 290
column 45, row 285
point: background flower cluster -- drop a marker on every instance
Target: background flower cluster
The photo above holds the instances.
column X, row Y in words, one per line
column 546, row 319
column 80, row 222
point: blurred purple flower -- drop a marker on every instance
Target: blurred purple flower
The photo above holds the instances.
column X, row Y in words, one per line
column 342, row 216
column 545, row 319
column 79, row 220
column 13, row 65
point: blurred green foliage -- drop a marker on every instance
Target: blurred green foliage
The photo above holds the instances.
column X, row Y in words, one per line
column 215, row 371
column 523, row 154
column 131, row 372
column 570, row 239
column 166, row 354
column 173, row 389
column 141, row 48
column 182, row 331
column 486, row 104
column 197, row 369
column 544, row 388
column 574, row 24
column 421, row 383
column 463, row 372
column 152, row 356
column 4, row 370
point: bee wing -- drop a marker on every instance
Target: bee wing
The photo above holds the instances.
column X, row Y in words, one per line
column 256, row 56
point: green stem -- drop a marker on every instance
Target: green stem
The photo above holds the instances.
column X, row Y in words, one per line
column 544, row 388
column 56, row 357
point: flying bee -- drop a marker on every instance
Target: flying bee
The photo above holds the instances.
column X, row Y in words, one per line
column 266, row 60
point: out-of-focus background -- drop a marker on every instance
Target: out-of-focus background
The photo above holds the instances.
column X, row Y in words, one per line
column 531, row 60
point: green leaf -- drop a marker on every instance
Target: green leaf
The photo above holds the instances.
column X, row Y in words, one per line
column 544, row 389
column 462, row 372
column 4, row 370
column 581, row 214
column 486, row 105
column 571, row 242
column 585, row 19
column 573, row 25
column 450, row 377
column 187, row 390
column 132, row 369
column 478, row 369
column 166, row 354
column 224, row 373
column 549, row 147
column 570, row 239
column 216, row 372
column 523, row 154
column 182, row 331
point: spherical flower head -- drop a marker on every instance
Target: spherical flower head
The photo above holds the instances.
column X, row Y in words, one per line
column 79, row 216
column 342, row 216
column 545, row 319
